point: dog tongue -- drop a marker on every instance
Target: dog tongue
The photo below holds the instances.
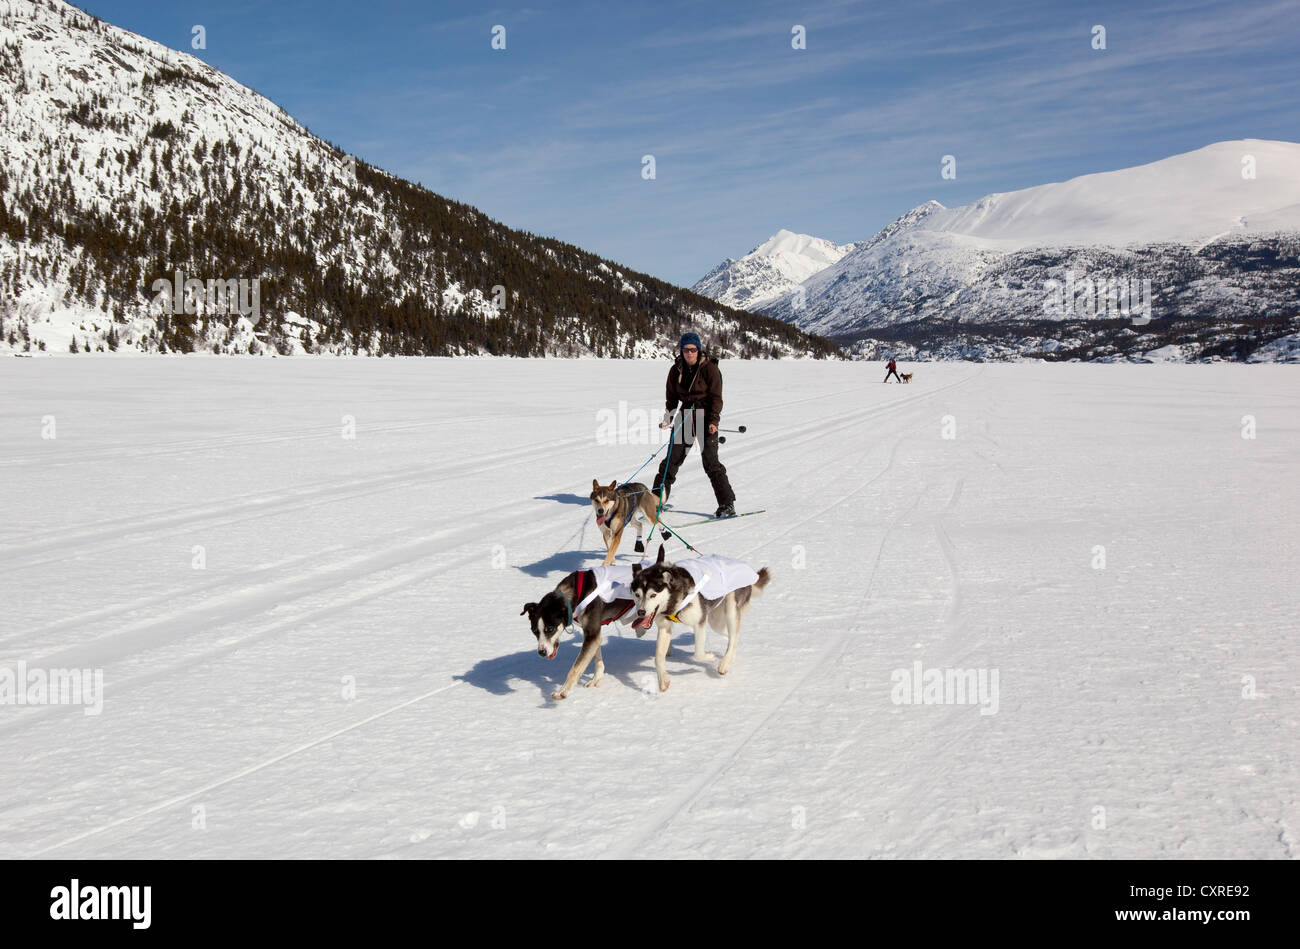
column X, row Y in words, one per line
column 643, row 621
column 600, row 519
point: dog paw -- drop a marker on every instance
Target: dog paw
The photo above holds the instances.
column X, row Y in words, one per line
column 557, row 696
column 705, row 656
column 723, row 668
column 663, row 686
column 593, row 683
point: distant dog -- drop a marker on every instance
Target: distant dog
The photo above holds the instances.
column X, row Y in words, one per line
column 669, row 593
column 615, row 506
column 581, row 597
column 906, row 376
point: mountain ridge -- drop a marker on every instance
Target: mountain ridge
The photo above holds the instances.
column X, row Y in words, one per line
column 127, row 164
column 772, row 268
column 1214, row 245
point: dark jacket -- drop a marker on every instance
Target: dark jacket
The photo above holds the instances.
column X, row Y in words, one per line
column 698, row 387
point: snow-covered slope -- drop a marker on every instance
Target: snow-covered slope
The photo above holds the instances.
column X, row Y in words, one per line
column 1183, row 199
column 773, row 268
column 1214, row 244
column 123, row 162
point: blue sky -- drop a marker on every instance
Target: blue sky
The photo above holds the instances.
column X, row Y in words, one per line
column 749, row 135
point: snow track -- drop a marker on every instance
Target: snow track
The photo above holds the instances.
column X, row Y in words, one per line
column 349, row 674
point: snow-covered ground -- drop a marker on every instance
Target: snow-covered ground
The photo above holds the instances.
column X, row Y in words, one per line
column 347, row 674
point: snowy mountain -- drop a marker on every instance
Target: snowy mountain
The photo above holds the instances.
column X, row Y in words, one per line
column 770, row 270
column 151, row 203
column 1211, row 236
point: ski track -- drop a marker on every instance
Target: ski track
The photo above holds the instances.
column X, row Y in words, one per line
column 347, row 575
column 682, row 802
column 227, row 441
column 136, row 528
column 260, row 766
column 157, row 632
column 77, row 543
column 310, row 585
column 280, row 591
column 953, row 624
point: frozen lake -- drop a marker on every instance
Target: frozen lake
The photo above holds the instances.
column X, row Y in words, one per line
column 310, row 644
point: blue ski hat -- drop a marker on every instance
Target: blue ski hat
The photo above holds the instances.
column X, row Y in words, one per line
column 690, row 338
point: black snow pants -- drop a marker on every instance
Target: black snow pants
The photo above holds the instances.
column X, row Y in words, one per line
column 695, row 428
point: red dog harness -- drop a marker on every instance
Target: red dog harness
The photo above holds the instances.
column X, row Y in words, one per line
column 581, row 576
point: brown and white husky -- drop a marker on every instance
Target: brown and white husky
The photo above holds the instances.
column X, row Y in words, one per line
column 617, row 504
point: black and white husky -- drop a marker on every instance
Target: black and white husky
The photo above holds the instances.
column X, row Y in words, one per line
column 590, row 598
column 671, row 593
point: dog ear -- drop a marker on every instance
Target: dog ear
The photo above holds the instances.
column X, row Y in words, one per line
column 595, row 485
column 528, row 608
column 613, row 485
column 636, row 570
column 660, row 558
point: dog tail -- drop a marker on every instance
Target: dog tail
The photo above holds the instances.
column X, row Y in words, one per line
column 763, row 577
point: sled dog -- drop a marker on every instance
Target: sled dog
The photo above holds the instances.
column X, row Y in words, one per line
column 906, row 376
column 668, row 593
column 581, row 597
column 615, row 506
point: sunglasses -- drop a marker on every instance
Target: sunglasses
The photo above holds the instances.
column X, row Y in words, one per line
column 689, row 349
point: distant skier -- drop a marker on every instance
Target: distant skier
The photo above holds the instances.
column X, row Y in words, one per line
column 695, row 383
column 892, row 371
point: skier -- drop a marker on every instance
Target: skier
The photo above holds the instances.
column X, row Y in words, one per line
column 892, row 370
column 695, row 383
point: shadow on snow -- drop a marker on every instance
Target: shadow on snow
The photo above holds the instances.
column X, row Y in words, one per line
column 625, row 656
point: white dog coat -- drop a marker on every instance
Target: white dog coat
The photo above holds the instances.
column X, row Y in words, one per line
column 715, row 576
column 612, row 583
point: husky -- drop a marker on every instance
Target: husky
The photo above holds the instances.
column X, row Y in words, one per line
column 581, row 597
column 615, row 506
column 907, row 376
column 667, row 593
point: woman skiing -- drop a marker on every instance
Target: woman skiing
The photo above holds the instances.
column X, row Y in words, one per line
column 695, row 383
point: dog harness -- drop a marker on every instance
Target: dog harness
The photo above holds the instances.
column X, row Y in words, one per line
column 610, row 583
